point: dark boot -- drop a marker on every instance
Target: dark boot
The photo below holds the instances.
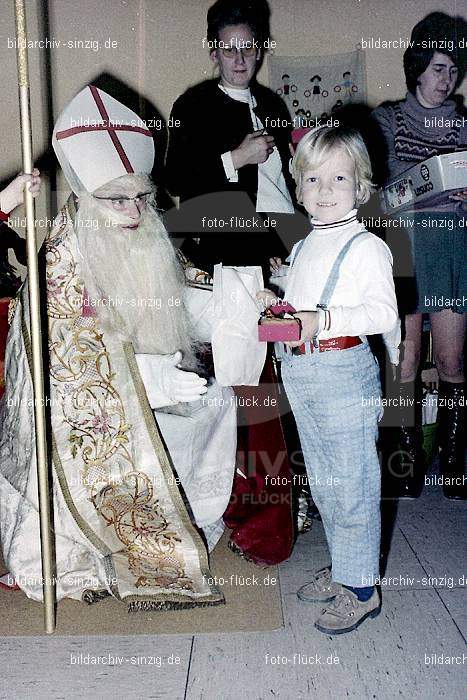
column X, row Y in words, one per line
column 451, row 431
column 410, row 466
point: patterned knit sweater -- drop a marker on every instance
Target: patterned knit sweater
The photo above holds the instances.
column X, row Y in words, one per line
column 414, row 133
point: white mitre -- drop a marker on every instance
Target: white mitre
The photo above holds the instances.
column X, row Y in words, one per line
column 97, row 139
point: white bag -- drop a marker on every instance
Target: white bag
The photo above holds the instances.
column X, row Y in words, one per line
column 238, row 355
column 200, row 306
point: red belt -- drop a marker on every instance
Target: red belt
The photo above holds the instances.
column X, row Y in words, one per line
column 343, row 343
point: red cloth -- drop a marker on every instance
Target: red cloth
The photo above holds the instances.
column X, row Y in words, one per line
column 298, row 134
column 260, row 508
column 4, row 304
column 3, row 216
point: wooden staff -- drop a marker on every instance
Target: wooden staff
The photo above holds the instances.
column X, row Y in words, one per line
column 45, row 505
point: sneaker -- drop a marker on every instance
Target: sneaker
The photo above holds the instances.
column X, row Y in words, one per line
column 346, row 612
column 321, row 588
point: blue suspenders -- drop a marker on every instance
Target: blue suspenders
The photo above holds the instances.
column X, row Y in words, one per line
column 333, row 276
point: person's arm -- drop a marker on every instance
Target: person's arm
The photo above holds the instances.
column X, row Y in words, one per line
column 382, row 116
column 371, row 265
column 193, row 162
column 198, row 159
column 12, row 195
column 255, row 148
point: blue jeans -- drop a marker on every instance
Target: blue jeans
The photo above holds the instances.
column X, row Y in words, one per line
column 332, row 395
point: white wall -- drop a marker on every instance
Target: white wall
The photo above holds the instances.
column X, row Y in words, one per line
column 159, row 49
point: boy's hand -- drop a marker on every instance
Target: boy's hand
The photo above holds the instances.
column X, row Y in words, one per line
column 266, row 298
column 12, row 196
column 309, row 321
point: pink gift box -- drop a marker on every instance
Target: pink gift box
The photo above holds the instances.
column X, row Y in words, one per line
column 272, row 330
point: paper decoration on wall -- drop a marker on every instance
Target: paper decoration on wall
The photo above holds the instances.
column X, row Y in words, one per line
column 315, row 87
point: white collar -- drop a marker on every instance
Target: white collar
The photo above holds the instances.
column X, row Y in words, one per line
column 239, row 94
column 349, row 218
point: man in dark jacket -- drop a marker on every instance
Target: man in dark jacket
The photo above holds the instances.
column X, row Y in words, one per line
column 228, row 151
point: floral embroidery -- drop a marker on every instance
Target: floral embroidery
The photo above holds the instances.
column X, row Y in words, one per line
column 140, row 523
column 99, row 435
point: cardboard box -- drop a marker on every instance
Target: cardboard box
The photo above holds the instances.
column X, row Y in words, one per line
column 426, row 184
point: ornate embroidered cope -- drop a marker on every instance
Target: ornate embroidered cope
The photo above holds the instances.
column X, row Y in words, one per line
column 120, row 520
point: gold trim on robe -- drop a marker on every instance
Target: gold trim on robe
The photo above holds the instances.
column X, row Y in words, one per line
column 112, row 477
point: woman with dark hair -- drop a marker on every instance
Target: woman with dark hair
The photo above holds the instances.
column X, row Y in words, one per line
column 428, row 123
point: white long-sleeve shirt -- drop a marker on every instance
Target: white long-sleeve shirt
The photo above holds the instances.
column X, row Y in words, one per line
column 364, row 300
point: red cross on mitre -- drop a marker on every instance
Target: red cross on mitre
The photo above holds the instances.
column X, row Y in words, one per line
column 108, row 125
column 97, row 139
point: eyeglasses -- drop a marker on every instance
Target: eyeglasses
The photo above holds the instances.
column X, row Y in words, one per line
column 122, row 203
column 247, row 51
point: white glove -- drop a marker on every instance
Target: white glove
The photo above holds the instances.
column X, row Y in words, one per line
column 165, row 383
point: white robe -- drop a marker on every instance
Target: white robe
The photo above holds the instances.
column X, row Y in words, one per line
column 121, row 525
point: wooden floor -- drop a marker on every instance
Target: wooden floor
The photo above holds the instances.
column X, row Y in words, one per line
column 423, row 619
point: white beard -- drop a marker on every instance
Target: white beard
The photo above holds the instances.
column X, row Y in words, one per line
column 136, row 273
